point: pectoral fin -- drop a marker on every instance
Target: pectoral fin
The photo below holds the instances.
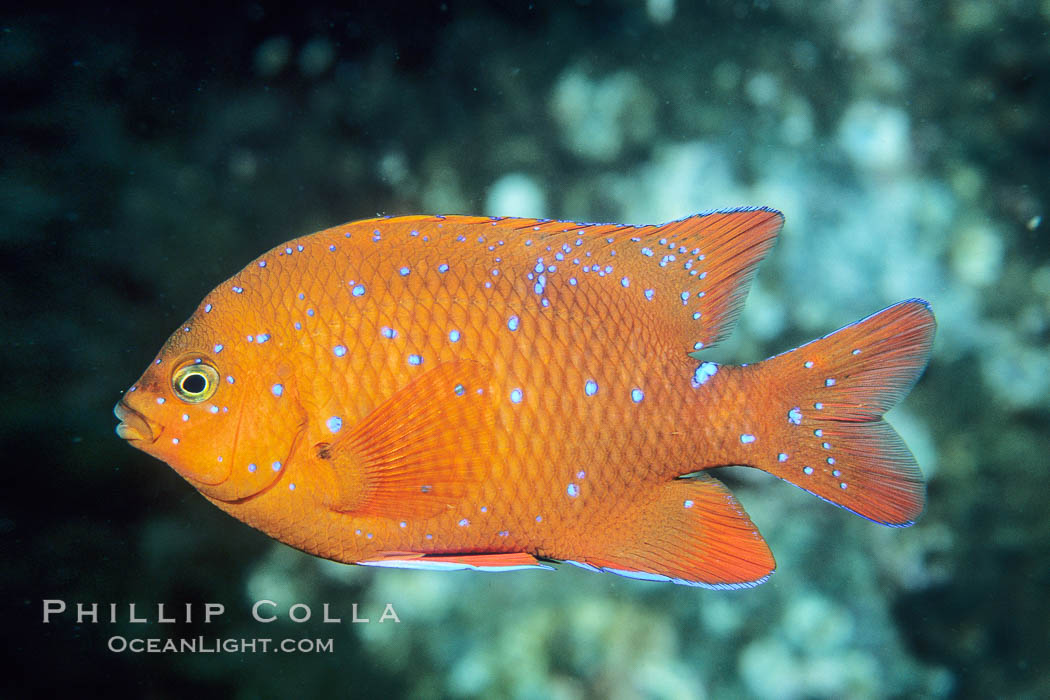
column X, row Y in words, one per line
column 421, row 450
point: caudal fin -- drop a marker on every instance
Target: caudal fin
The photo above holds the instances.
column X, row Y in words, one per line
column 827, row 399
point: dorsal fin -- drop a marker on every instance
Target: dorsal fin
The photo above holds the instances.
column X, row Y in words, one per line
column 693, row 273
column 688, row 276
column 729, row 246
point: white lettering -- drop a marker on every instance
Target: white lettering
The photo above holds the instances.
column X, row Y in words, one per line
column 55, row 607
column 389, row 614
column 330, row 619
column 160, row 615
column 84, row 612
column 213, row 610
column 259, row 604
column 291, row 612
column 131, row 615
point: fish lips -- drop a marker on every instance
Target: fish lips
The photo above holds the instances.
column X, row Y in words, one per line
column 133, row 425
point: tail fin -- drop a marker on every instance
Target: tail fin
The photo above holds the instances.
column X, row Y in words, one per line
column 829, row 396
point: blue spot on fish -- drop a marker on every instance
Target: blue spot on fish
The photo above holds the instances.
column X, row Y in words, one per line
column 704, row 372
column 541, row 284
column 512, row 323
column 637, row 395
column 516, row 396
column 277, row 389
column 339, row 350
column 795, row 416
column 453, row 336
column 590, row 388
column 747, row 438
column 359, row 290
column 334, row 424
column 415, row 359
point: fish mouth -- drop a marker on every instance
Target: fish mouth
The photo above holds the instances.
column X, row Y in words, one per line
column 133, row 425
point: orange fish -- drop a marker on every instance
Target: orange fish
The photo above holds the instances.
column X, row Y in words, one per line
column 492, row 393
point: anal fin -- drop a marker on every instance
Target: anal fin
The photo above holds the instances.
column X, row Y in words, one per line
column 692, row 532
column 421, row 450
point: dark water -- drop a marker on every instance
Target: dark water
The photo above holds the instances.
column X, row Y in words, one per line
column 148, row 155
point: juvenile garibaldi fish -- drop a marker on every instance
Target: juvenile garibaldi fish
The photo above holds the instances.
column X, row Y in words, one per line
column 493, row 393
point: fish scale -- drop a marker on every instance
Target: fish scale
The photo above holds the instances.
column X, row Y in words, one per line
column 469, row 392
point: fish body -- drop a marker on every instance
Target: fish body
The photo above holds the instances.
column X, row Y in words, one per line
column 491, row 393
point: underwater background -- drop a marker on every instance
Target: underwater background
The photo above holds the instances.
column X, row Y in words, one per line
column 149, row 154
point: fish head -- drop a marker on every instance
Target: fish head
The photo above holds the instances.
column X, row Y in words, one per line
column 224, row 419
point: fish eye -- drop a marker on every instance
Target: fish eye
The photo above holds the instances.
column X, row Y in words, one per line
column 195, row 382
